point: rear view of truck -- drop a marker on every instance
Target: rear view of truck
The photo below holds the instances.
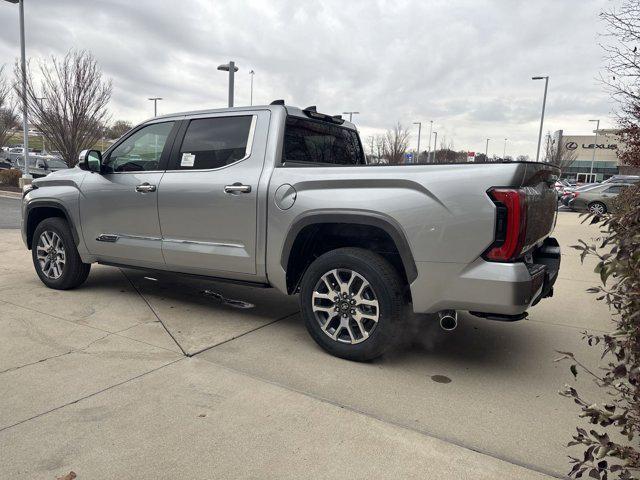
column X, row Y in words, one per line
column 359, row 241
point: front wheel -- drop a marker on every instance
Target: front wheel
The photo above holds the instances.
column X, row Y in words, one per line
column 597, row 208
column 55, row 256
column 352, row 301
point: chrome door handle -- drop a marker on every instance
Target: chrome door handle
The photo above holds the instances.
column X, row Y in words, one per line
column 145, row 188
column 237, row 188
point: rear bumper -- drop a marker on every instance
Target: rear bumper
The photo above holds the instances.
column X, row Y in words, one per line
column 488, row 288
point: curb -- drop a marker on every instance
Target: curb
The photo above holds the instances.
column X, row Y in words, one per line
column 9, row 194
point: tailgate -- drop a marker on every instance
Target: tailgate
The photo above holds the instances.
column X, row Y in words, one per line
column 541, row 202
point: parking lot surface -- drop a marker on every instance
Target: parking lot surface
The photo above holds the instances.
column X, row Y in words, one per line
column 140, row 376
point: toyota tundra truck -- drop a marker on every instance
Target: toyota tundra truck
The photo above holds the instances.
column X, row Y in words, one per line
column 283, row 197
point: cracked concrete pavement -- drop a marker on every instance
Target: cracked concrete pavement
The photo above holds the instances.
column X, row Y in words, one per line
column 142, row 376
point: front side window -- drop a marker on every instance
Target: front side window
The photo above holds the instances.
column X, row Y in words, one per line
column 215, row 142
column 311, row 141
column 141, row 151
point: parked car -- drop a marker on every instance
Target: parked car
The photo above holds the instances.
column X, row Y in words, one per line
column 276, row 196
column 560, row 187
column 41, row 166
column 570, row 193
column 598, row 199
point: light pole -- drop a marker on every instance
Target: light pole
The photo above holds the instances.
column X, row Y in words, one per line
column 595, row 142
column 232, row 69
column 23, row 69
column 435, row 145
column 544, row 103
column 155, row 105
column 430, row 130
column 504, row 150
column 351, row 114
column 486, row 150
column 252, row 73
column 419, row 132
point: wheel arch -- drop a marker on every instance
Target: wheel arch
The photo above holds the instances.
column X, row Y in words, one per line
column 37, row 211
column 305, row 230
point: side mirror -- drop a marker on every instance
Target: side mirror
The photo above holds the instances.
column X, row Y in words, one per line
column 90, row 160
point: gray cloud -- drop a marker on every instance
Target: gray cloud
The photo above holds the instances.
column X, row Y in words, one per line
column 465, row 64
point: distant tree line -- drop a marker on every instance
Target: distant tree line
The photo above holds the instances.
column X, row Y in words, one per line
column 392, row 147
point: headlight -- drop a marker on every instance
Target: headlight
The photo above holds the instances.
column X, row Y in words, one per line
column 27, row 188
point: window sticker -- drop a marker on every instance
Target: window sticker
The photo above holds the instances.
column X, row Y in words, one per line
column 187, row 160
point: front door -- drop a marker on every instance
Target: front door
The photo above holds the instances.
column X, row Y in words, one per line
column 119, row 207
column 207, row 201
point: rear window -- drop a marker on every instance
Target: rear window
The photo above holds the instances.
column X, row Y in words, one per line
column 214, row 142
column 308, row 141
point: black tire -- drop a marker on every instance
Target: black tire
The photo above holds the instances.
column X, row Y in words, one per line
column 597, row 208
column 387, row 288
column 74, row 272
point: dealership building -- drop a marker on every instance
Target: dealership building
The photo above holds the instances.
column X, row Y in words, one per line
column 596, row 156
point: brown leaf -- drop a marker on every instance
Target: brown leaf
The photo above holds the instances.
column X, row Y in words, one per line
column 69, row 476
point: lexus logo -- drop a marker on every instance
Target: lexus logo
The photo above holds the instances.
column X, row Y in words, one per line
column 571, row 145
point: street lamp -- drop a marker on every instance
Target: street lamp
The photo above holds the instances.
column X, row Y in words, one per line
column 430, row 130
column 595, row 142
column 544, row 103
column 351, row 114
column 155, row 105
column 504, row 150
column 419, row 132
column 252, row 73
column 23, row 69
column 486, row 150
column 435, row 145
column 232, row 69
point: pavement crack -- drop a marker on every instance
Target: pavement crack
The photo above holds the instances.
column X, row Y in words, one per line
column 59, row 407
column 73, row 350
column 191, row 354
column 154, row 313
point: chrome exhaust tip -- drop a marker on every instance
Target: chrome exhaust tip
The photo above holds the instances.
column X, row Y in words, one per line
column 448, row 319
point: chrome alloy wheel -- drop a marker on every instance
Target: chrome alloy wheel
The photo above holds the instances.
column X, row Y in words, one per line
column 51, row 254
column 345, row 306
column 596, row 208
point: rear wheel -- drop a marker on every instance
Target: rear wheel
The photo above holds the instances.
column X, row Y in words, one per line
column 55, row 256
column 597, row 208
column 352, row 301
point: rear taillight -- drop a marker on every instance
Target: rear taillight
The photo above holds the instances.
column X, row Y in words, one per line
column 511, row 224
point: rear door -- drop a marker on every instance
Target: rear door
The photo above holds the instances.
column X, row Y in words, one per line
column 119, row 207
column 207, row 199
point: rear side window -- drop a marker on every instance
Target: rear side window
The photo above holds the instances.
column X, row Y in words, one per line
column 214, row 142
column 311, row 141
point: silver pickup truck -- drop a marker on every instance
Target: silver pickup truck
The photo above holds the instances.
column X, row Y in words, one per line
column 276, row 196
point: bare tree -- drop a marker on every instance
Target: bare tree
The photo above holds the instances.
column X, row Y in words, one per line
column 119, row 128
column 73, row 112
column 8, row 117
column 623, row 75
column 379, row 146
column 396, row 142
column 621, row 51
column 557, row 155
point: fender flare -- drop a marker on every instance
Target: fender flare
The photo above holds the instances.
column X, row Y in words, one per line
column 373, row 219
column 50, row 204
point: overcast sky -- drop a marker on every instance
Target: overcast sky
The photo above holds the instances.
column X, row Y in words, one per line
column 466, row 65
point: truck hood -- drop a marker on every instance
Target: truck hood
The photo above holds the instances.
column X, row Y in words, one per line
column 61, row 176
